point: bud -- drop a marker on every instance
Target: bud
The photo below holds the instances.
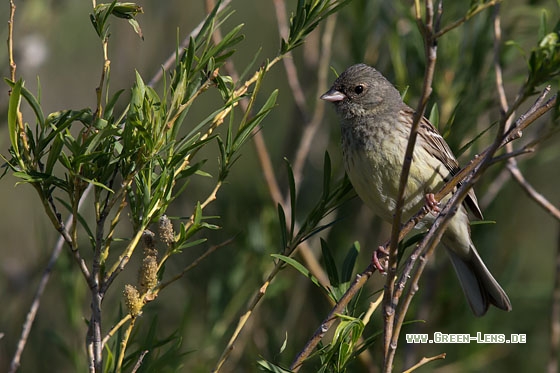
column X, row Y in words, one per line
column 149, row 243
column 166, row 234
column 147, row 276
column 132, row 300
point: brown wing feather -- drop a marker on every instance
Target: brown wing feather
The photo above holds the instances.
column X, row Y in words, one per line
column 438, row 148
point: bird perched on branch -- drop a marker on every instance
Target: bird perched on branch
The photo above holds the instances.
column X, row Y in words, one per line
column 375, row 125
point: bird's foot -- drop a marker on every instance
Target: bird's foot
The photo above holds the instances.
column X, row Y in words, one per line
column 380, row 254
column 432, row 203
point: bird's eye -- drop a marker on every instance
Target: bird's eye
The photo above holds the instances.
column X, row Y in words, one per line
column 359, row 89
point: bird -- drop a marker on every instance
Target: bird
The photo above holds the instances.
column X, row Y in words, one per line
column 375, row 127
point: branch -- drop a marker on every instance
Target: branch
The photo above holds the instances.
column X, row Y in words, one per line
column 11, row 60
column 389, row 301
column 424, row 361
column 358, row 283
column 467, row 176
column 168, row 64
column 32, row 313
column 532, row 192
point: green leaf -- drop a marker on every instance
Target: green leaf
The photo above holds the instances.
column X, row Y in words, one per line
column 31, row 100
column 330, row 264
column 350, row 262
column 54, row 152
column 300, row 268
column 293, row 196
column 326, row 175
column 246, row 130
column 13, row 110
column 434, row 116
column 283, row 226
column 267, row 366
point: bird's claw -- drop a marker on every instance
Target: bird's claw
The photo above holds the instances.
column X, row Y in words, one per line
column 380, row 253
column 432, row 203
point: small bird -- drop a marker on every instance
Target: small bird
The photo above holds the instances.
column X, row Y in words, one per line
column 375, row 125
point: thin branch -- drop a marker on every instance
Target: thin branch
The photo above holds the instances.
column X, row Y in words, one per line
column 424, row 361
column 531, row 191
column 358, row 283
column 32, row 313
column 168, row 64
column 115, row 328
column 193, row 264
column 11, row 59
column 245, row 317
column 389, row 302
column 479, row 8
column 139, row 361
column 322, row 74
column 289, row 65
column 124, row 343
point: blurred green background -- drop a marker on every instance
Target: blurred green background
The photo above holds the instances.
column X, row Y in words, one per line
column 56, row 46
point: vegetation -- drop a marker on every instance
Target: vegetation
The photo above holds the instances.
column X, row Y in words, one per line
column 203, row 218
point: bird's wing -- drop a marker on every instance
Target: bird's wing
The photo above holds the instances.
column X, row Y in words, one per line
column 438, row 148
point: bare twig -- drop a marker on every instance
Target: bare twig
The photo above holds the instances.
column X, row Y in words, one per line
column 116, row 327
column 289, row 66
column 32, row 313
column 193, row 264
column 531, row 191
column 245, row 317
column 312, row 127
column 479, row 8
column 139, row 361
column 11, row 60
column 358, row 283
column 389, row 303
column 424, row 361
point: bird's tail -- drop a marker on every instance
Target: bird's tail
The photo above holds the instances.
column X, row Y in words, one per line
column 479, row 286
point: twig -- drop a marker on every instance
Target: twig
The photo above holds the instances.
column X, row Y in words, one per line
column 139, row 361
column 289, row 66
column 358, row 283
column 193, row 264
column 389, row 301
column 245, row 317
column 11, row 60
column 32, row 313
column 184, row 44
column 531, row 191
column 311, row 128
column 123, row 344
column 469, row 15
column 116, row 327
column 423, row 361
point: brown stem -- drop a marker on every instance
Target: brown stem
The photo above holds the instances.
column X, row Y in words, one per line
column 390, row 302
column 11, row 59
column 358, row 283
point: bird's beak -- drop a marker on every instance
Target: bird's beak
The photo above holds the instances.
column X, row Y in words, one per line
column 333, row 96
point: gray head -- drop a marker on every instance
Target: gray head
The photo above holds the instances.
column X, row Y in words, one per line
column 362, row 91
